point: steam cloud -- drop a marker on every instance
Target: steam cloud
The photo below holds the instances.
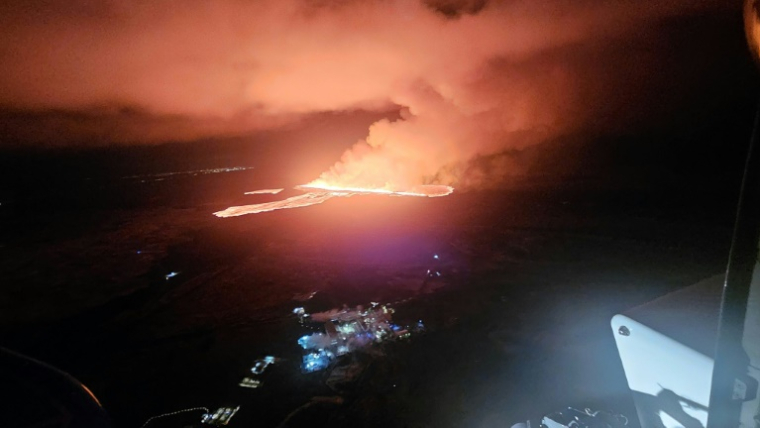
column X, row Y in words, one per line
column 470, row 77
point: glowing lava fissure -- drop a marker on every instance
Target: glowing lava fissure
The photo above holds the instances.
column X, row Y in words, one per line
column 317, row 193
column 265, row 192
column 428, row 190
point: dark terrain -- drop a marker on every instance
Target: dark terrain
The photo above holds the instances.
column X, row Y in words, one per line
column 517, row 327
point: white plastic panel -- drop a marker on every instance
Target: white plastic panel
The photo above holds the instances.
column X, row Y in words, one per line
column 671, row 379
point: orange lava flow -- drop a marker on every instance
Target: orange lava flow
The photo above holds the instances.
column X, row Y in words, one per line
column 429, row 190
column 316, row 194
column 265, row 192
column 311, row 198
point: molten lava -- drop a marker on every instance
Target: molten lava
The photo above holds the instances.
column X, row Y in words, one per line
column 265, row 192
column 316, row 194
column 429, row 190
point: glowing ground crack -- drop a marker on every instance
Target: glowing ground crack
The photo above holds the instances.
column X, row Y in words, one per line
column 316, row 195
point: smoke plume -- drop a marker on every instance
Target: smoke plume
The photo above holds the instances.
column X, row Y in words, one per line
column 471, row 78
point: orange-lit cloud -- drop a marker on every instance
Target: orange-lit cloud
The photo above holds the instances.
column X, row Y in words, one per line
column 471, row 77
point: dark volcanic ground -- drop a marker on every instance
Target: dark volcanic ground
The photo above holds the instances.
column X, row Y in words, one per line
column 517, row 327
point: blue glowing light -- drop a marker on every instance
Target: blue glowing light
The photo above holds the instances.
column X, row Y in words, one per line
column 316, row 361
column 303, row 341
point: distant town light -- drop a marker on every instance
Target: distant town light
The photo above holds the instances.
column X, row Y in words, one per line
column 316, row 361
column 261, row 364
column 221, row 417
column 251, row 383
